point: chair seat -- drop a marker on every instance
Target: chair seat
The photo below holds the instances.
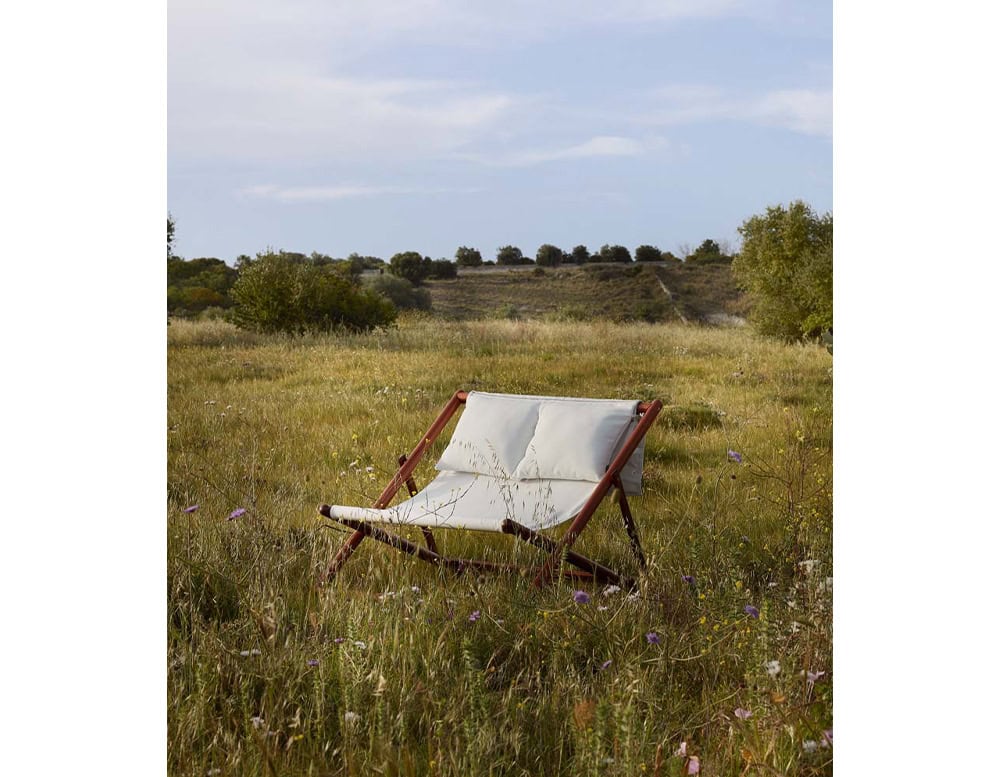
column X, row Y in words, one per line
column 466, row 500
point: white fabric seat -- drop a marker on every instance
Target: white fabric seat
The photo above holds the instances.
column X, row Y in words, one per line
column 466, row 500
column 534, row 460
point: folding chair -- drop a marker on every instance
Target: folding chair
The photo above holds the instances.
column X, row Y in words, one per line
column 517, row 465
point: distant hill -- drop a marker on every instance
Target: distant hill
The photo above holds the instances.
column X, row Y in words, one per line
column 661, row 291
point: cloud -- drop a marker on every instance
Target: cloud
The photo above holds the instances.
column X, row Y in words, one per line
column 807, row 111
column 323, row 193
column 599, row 146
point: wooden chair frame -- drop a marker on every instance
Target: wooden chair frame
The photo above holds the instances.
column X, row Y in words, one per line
column 557, row 550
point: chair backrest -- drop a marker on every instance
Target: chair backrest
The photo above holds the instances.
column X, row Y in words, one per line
column 521, row 437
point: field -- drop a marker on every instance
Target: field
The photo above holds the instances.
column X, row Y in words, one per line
column 720, row 661
column 697, row 290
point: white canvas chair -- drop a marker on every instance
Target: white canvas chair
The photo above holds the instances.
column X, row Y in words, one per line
column 517, row 465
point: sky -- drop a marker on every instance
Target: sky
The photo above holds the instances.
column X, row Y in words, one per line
column 393, row 125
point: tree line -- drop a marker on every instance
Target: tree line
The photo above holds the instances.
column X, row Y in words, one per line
column 785, row 265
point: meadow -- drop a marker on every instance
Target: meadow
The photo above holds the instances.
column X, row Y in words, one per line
column 719, row 663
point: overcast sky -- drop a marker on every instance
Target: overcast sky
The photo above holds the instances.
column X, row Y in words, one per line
column 393, row 125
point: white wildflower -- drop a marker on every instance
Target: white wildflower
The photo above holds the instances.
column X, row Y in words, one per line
column 773, row 668
column 809, row 746
column 257, row 722
column 350, row 718
column 611, row 589
column 360, row 645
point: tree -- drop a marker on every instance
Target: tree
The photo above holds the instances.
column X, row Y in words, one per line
column 548, row 255
column 400, row 292
column 509, row 255
column 580, row 255
column 786, row 266
column 708, row 251
column 170, row 236
column 409, row 265
column 276, row 292
column 614, row 254
column 668, row 256
column 440, row 269
column 648, row 253
column 468, row 257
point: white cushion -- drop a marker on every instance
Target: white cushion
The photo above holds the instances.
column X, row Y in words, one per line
column 575, row 439
column 492, row 434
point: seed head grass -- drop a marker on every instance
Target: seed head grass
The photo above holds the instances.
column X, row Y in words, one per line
column 400, row 668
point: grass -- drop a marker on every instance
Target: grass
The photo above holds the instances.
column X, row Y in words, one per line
column 385, row 672
column 614, row 292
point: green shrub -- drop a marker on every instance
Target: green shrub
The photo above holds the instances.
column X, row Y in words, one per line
column 409, row 265
column 400, row 292
column 276, row 293
column 786, row 266
column 648, row 253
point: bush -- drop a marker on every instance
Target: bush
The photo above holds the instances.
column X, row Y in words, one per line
column 786, row 267
column 400, row 292
column 440, row 269
column 277, row 293
column 409, row 265
column 614, row 254
column 548, row 255
column 468, row 257
column 648, row 254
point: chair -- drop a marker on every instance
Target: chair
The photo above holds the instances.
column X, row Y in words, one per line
column 518, row 465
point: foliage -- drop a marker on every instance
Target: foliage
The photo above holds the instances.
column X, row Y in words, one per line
column 548, row 255
column 786, row 266
column 196, row 284
column 468, row 257
column 170, row 235
column 668, row 256
column 615, row 253
column 403, row 294
column 647, row 253
column 409, row 265
column 440, row 269
column 511, row 255
column 708, row 251
column 580, row 254
column 283, row 292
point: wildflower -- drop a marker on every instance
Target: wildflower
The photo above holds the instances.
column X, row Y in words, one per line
column 773, row 668
column 694, row 765
column 682, row 750
column 339, row 641
column 475, row 616
column 741, row 713
column 369, row 469
column 602, row 607
column 236, row 513
column 605, row 665
column 312, row 662
column 808, row 565
column 734, row 456
column 827, row 740
column 245, row 653
column 812, row 677
column 611, row 589
column 581, row 597
column 415, row 589
column 191, row 509
column 350, row 718
column 752, row 611
column 258, row 722
column 809, row 746
column 689, row 579
column 653, row 638
column 360, row 645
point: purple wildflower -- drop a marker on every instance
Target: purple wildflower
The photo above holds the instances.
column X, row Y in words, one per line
column 735, row 456
column 752, row 611
column 236, row 513
column 694, row 765
column 475, row 616
column 312, row 662
column 653, row 638
column 689, row 579
column 581, row 597
column 827, row 740
column 812, row 677
column 741, row 713
column 340, row 640
column 605, row 665
column 191, row 509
